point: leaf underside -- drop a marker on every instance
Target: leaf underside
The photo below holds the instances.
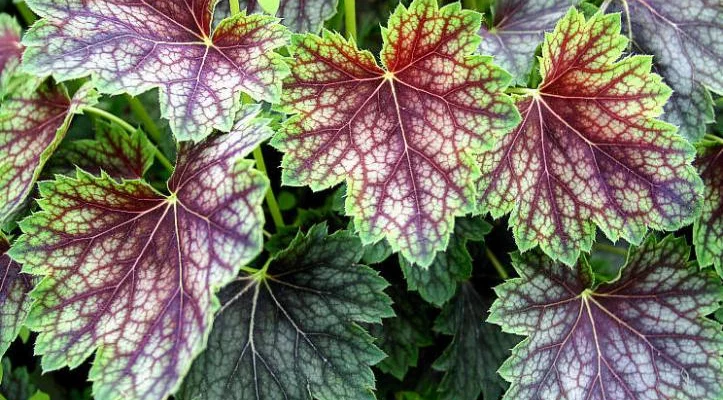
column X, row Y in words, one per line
column 14, row 302
column 645, row 335
column 293, row 334
column 708, row 228
column 589, row 151
column 402, row 136
column 132, row 271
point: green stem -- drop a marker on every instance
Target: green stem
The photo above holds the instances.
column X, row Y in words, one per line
column 496, row 263
column 140, row 112
column 610, row 249
column 522, row 91
column 604, row 6
column 350, row 18
column 713, row 138
column 130, row 129
column 235, row 9
column 28, row 15
column 270, row 198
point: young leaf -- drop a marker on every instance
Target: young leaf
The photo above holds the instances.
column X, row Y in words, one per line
column 708, row 229
column 589, row 151
column 644, row 335
column 402, row 136
column 33, row 120
column 136, row 46
column 477, row 349
column 10, row 48
column 290, row 330
column 517, row 27
column 686, row 39
column 299, row 16
column 14, row 302
column 131, row 272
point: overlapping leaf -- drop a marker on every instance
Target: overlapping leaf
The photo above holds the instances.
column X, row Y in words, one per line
column 589, row 150
column 34, row 118
column 644, row 335
column 290, row 330
column 298, row 15
column 132, row 272
column 708, row 229
column 686, row 38
column 516, row 29
column 14, row 302
column 10, row 48
column 135, row 46
column 402, row 136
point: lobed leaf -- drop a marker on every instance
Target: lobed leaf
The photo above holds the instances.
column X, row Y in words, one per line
column 290, row 330
column 589, row 150
column 644, row 335
column 298, row 15
column 131, row 272
column 133, row 47
column 708, row 229
column 402, row 136
column 14, row 301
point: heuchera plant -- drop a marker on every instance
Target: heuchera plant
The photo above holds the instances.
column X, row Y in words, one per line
column 230, row 199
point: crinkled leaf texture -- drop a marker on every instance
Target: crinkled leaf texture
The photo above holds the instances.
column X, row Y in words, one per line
column 14, row 302
column 290, row 331
column 131, row 272
column 136, row 46
column 644, row 335
column 589, row 150
column 477, row 349
column 404, row 136
column 10, row 48
column 686, row 39
column 34, row 118
column 708, row 229
column 517, row 28
column 298, row 15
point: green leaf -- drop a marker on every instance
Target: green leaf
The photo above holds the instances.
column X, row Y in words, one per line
column 644, row 335
column 290, row 330
column 14, row 299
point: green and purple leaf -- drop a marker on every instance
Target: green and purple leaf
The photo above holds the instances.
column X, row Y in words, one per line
column 298, row 15
column 708, row 229
column 10, row 48
column 516, row 29
column 686, row 39
column 644, row 335
column 402, row 136
column 14, row 301
column 290, row 330
column 131, row 272
column 589, row 151
column 133, row 47
column 34, row 118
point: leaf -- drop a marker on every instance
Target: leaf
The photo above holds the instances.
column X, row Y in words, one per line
column 290, row 330
column 643, row 335
column 133, row 47
column 34, row 118
column 131, row 272
column 685, row 39
column 14, row 302
column 708, row 229
column 477, row 349
column 516, row 29
column 113, row 151
column 10, row 48
column 298, row 15
column 589, row 150
column 402, row 136
column 438, row 282
column 16, row 382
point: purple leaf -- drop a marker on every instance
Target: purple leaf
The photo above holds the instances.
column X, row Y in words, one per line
column 14, row 302
column 10, row 48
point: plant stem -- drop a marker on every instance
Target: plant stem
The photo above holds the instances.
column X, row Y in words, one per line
column 130, row 129
column 496, row 263
column 713, row 138
column 235, row 9
column 140, row 112
column 28, row 15
column 604, row 6
column 350, row 18
column 610, row 249
column 522, row 91
column 270, row 198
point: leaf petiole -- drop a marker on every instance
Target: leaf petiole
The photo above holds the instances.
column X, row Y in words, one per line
column 350, row 18
column 270, row 198
column 496, row 263
column 522, row 91
column 610, row 249
column 713, row 138
column 28, row 15
column 140, row 112
column 235, row 9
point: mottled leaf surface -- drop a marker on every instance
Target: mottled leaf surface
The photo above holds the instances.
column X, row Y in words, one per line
column 10, row 48
column 298, row 15
column 708, row 229
column 438, row 282
column 515, row 30
column 290, row 331
column 131, row 272
column 403, row 135
column 643, row 336
column 139, row 45
column 34, row 118
column 589, row 151
column 477, row 349
column 14, row 302
column 686, row 39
